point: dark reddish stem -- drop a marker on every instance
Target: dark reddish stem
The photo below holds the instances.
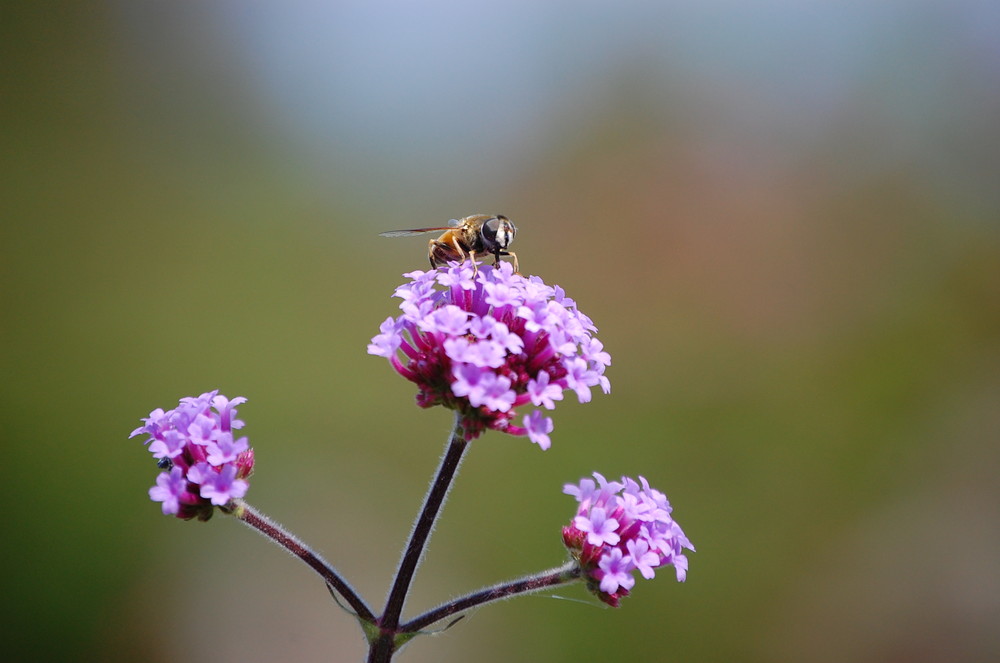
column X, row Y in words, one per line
column 567, row 573
column 384, row 645
column 256, row 520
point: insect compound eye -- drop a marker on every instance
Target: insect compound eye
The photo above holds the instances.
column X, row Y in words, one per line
column 499, row 231
column 490, row 228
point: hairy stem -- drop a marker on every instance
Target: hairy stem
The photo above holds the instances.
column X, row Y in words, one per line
column 254, row 519
column 569, row 572
column 385, row 644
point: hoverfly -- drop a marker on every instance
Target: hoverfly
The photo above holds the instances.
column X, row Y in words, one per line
column 468, row 238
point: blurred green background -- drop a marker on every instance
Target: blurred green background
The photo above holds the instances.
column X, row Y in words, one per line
column 782, row 216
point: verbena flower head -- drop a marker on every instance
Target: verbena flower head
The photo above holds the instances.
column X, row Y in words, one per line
column 204, row 464
column 485, row 343
column 619, row 528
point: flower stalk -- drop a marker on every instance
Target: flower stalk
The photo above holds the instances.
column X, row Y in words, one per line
column 387, row 640
column 271, row 530
column 565, row 574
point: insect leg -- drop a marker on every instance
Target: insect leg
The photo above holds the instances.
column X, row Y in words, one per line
column 507, row 253
column 463, row 256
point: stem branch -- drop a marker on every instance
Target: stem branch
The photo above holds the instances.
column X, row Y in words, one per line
column 567, row 573
column 254, row 519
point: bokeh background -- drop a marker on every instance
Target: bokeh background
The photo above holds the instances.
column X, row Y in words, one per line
column 783, row 216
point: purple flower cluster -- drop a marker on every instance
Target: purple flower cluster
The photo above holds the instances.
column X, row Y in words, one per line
column 205, row 466
column 485, row 342
column 621, row 527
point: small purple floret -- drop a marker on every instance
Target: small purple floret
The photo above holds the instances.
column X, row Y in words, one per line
column 539, row 427
column 169, row 488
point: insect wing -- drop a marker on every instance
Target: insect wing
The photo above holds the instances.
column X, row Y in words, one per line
column 413, row 231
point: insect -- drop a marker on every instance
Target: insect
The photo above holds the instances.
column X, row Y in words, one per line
column 468, row 238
